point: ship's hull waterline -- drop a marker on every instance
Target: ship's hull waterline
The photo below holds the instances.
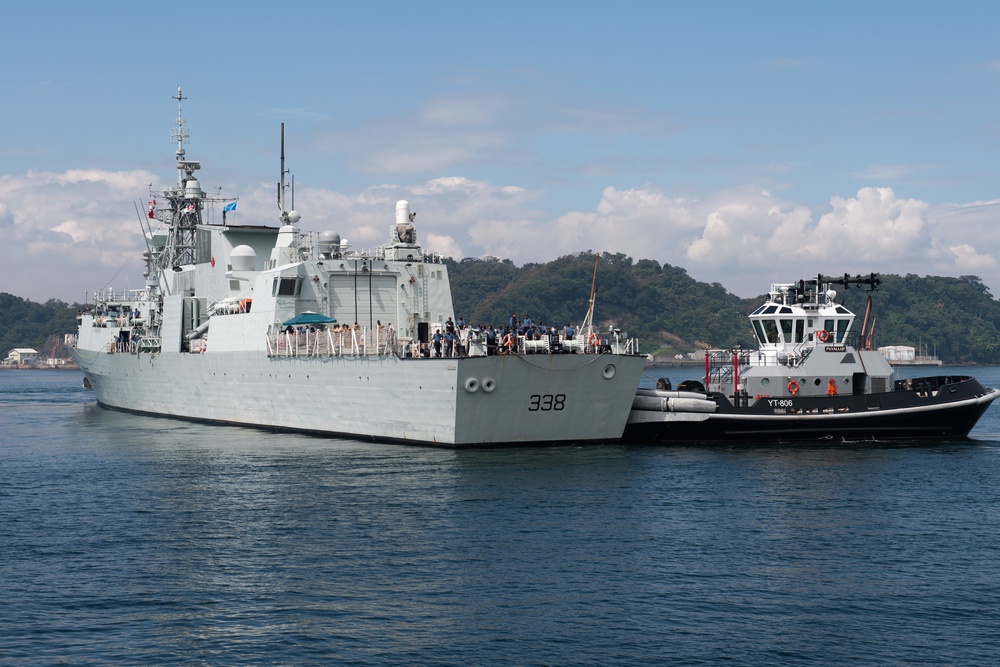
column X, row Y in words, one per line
column 452, row 402
column 901, row 419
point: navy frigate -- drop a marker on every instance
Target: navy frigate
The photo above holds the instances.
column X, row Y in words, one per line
column 267, row 326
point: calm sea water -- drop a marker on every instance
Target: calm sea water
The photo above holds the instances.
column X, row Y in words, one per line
column 127, row 540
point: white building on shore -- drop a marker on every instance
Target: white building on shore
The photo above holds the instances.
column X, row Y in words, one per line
column 906, row 355
column 21, row 355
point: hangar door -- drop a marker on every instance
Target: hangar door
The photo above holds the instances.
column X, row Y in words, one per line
column 363, row 298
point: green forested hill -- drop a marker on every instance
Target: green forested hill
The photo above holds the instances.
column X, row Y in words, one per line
column 662, row 306
column 25, row 323
column 956, row 318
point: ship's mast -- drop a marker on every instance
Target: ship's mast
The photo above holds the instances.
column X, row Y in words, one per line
column 286, row 249
column 179, row 135
column 185, row 202
column 281, row 181
column 286, row 217
column 587, row 328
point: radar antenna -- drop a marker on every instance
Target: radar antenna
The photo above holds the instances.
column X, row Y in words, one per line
column 180, row 135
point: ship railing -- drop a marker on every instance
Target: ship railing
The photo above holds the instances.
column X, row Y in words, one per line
column 109, row 295
column 725, row 369
column 148, row 344
column 311, row 342
column 120, row 347
column 382, row 341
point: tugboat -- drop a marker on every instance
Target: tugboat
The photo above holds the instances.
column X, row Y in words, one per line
column 810, row 378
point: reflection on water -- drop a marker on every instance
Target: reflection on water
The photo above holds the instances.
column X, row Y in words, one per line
column 131, row 539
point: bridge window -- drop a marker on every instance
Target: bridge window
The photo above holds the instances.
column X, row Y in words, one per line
column 770, row 331
column 786, row 330
column 842, row 326
column 837, row 329
column 286, row 286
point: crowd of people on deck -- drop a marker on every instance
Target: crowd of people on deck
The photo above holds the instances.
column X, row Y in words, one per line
column 456, row 338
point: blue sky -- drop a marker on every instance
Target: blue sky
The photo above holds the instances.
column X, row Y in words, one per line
column 745, row 142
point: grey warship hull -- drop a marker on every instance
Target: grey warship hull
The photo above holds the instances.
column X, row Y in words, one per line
column 453, row 402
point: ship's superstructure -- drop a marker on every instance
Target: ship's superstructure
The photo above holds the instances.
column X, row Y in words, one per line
column 270, row 327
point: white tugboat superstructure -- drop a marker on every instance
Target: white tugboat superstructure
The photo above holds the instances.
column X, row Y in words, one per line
column 267, row 327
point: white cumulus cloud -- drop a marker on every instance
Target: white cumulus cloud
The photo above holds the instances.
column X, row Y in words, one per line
column 67, row 232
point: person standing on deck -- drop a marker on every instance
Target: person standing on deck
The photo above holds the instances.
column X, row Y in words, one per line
column 449, row 342
column 491, row 340
column 436, row 338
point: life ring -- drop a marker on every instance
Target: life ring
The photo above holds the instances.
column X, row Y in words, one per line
column 793, row 387
column 823, row 335
column 593, row 340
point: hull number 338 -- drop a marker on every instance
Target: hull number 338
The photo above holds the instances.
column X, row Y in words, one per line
column 546, row 402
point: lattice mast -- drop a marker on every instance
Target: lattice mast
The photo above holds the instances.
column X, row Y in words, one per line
column 185, row 202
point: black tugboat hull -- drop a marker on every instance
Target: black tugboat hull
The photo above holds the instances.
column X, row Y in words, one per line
column 949, row 413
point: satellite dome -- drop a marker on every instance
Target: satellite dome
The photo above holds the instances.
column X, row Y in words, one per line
column 329, row 243
column 243, row 258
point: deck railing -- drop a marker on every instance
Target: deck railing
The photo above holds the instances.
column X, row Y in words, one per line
column 324, row 343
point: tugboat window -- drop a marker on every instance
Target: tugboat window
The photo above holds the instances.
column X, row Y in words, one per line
column 771, row 331
column 799, row 330
column 760, row 332
column 786, row 330
column 842, row 329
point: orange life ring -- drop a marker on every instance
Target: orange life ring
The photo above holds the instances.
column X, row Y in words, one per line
column 793, row 387
column 593, row 341
column 823, row 335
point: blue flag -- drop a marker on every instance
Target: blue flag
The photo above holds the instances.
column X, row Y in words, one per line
column 231, row 206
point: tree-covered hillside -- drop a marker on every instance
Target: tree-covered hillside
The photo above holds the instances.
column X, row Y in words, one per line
column 24, row 323
column 662, row 306
column 956, row 318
